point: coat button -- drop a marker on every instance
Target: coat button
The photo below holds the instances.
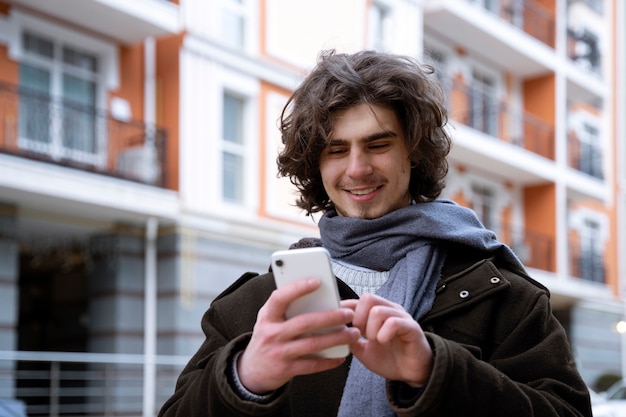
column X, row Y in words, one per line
column 495, row 280
column 464, row 294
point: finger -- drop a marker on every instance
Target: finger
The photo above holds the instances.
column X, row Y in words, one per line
column 365, row 305
column 403, row 329
column 311, row 344
column 277, row 303
column 377, row 318
column 350, row 303
column 358, row 347
column 317, row 321
column 313, row 364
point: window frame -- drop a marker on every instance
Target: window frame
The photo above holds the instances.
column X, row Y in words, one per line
column 246, row 89
column 236, row 148
column 105, row 77
column 246, row 11
column 581, row 122
column 593, row 241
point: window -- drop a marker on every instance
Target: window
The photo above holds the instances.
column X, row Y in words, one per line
column 483, row 204
column 513, row 11
column 587, row 52
column 483, row 104
column 379, row 21
column 491, row 5
column 233, row 23
column 591, row 263
column 590, row 160
column 595, row 5
column 233, row 148
column 58, row 96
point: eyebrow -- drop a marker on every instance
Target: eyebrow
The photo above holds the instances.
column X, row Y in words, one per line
column 383, row 134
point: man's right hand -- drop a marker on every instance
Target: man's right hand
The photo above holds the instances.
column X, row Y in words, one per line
column 281, row 349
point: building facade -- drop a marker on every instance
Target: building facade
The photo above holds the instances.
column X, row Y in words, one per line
column 138, row 180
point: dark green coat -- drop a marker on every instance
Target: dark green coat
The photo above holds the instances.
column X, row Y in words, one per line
column 498, row 349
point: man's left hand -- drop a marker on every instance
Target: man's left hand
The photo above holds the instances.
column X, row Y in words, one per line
column 393, row 343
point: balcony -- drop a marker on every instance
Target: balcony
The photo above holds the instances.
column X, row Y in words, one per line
column 519, row 39
column 535, row 249
column 587, row 265
column 483, row 111
column 47, row 129
column 585, row 157
column 531, row 17
column 126, row 21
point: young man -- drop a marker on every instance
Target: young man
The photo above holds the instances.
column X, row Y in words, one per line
column 441, row 318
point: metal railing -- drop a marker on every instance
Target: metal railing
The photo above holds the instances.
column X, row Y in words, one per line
column 85, row 384
column 535, row 249
column 44, row 128
column 473, row 107
column 483, row 111
column 585, row 157
column 587, row 265
column 528, row 15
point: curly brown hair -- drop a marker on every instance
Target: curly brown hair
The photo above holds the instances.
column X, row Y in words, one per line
column 340, row 81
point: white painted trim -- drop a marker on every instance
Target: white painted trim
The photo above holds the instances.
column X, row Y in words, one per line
column 106, row 52
column 162, row 13
column 150, row 316
column 260, row 69
column 85, row 194
column 578, row 216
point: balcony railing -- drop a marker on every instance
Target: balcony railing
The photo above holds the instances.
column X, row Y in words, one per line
column 535, row 249
column 587, row 265
column 483, row 111
column 528, row 15
column 44, row 128
column 585, row 157
column 79, row 384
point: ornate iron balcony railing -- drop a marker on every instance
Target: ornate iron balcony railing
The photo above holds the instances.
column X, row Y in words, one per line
column 41, row 127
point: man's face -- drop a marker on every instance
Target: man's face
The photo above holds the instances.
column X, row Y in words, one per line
column 366, row 168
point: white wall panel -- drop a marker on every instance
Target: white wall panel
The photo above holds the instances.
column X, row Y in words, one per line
column 298, row 30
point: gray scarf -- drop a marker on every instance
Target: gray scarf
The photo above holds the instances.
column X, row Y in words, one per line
column 406, row 243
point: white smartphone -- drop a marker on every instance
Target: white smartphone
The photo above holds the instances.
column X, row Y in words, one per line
column 295, row 264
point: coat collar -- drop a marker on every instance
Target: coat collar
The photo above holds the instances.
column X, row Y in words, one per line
column 457, row 291
column 467, row 288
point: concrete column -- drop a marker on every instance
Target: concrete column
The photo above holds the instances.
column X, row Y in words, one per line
column 116, row 311
column 9, row 294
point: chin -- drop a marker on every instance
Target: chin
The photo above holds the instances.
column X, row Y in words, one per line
column 367, row 214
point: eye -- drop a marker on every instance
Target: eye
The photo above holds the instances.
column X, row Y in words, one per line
column 336, row 150
column 379, row 145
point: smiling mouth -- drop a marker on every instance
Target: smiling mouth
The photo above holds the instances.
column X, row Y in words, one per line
column 363, row 192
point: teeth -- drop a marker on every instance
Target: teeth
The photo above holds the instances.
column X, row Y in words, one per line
column 362, row 192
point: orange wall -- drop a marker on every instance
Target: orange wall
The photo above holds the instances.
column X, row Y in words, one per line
column 8, row 68
column 132, row 79
column 612, row 254
column 540, row 208
column 460, row 199
column 540, row 218
column 168, row 99
column 549, row 5
column 539, row 98
column 8, row 101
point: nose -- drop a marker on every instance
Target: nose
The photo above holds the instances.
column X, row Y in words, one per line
column 359, row 165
